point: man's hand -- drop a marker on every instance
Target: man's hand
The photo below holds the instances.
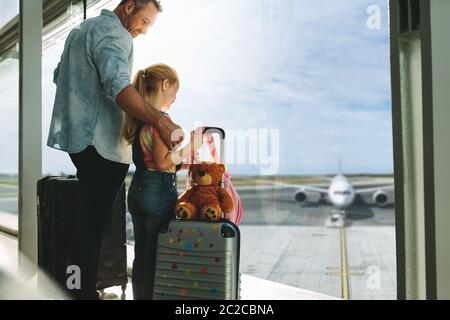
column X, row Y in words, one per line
column 170, row 132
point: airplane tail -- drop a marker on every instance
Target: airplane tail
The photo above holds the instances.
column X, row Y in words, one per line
column 340, row 165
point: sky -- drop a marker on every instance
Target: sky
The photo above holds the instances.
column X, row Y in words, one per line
column 307, row 79
column 8, row 9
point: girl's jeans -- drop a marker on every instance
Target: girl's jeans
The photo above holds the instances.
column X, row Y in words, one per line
column 151, row 201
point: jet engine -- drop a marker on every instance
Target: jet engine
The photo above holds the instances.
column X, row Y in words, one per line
column 305, row 197
column 301, row 197
column 381, row 198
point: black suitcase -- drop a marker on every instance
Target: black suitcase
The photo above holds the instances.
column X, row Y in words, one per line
column 58, row 201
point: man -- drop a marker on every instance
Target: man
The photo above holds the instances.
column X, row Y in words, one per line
column 93, row 92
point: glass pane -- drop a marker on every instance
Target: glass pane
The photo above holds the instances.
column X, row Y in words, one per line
column 302, row 89
column 8, row 10
column 55, row 162
column 54, row 36
column 9, row 131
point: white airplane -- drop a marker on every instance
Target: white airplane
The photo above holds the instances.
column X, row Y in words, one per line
column 341, row 193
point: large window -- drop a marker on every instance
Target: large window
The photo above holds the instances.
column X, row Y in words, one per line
column 302, row 89
column 307, row 84
column 9, row 130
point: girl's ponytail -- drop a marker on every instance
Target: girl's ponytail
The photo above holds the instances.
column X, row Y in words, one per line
column 146, row 83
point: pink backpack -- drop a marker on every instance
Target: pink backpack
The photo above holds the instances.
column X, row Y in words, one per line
column 236, row 215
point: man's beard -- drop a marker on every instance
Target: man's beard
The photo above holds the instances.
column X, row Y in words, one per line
column 126, row 21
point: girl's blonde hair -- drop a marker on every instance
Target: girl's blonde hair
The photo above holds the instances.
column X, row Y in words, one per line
column 146, row 82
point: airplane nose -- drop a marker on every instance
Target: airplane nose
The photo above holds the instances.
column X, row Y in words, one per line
column 340, row 203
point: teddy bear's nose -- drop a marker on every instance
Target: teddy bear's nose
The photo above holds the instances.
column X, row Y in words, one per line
column 201, row 173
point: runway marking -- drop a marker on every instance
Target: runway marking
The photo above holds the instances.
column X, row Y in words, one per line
column 351, row 271
column 344, row 270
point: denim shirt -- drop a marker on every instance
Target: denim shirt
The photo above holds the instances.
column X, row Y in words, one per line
column 95, row 67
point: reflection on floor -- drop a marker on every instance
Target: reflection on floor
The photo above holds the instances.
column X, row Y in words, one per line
column 252, row 288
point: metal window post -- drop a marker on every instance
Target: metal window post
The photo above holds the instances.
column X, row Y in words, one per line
column 420, row 71
column 437, row 148
column 30, row 129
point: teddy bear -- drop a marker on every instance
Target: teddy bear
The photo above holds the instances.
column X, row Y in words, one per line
column 205, row 199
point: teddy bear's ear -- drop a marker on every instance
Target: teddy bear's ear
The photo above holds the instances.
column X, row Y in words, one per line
column 222, row 168
column 191, row 166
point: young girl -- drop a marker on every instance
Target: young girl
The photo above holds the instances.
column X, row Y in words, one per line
column 153, row 191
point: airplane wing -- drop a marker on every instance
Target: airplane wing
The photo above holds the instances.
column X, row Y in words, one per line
column 305, row 188
column 312, row 189
column 374, row 189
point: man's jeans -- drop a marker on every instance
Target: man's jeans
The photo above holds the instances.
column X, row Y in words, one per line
column 151, row 201
column 100, row 181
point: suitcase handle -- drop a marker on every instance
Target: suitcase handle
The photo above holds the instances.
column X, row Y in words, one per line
column 221, row 133
column 217, row 130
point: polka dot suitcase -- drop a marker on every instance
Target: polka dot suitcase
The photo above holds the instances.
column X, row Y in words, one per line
column 198, row 260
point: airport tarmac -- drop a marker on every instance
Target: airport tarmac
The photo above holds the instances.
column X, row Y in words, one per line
column 286, row 242
column 8, row 198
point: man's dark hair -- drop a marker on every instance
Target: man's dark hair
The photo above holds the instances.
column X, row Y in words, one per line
column 142, row 3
